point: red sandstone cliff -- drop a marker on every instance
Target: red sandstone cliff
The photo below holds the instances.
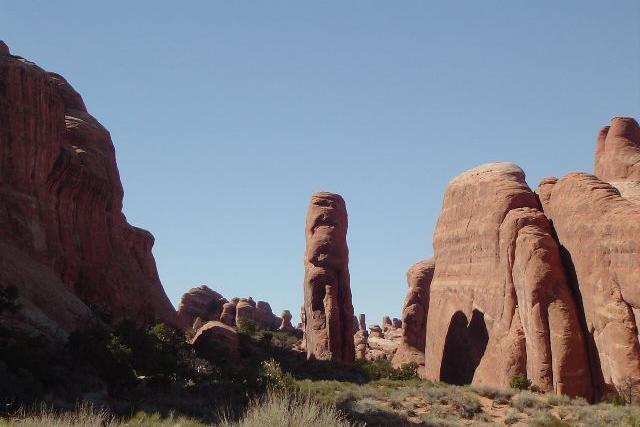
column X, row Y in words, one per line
column 61, row 220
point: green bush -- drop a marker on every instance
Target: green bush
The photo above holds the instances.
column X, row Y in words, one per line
column 104, row 351
column 520, row 382
column 382, row 369
column 246, row 327
column 272, row 377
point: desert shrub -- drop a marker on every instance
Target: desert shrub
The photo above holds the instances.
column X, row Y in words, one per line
column 246, row 327
column 501, row 396
column 381, row 369
column 520, row 382
column 280, row 340
column 271, row 376
column 431, row 420
column 162, row 352
column 528, row 400
column 278, row 408
column 407, row 371
column 558, row 399
column 543, row 418
column 466, row 404
column 105, row 352
column 627, row 390
column 511, row 417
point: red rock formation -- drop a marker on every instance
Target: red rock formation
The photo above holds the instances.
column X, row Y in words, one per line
column 264, row 317
column 216, row 333
column 245, row 311
column 361, row 342
column 599, row 231
column 286, row 325
column 499, row 301
column 376, row 331
column 362, row 323
column 617, row 159
column 228, row 316
column 61, row 199
column 396, row 323
column 202, row 302
column 327, row 293
column 414, row 314
column 386, row 323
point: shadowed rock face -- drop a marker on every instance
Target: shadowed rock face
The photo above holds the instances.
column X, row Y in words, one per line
column 599, row 231
column 414, row 314
column 499, row 293
column 328, row 310
column 61, row 213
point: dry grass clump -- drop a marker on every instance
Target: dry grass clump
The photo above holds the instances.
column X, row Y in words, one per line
column 527, row 400
column 84, row 416
column 499, row 395
column 284, row 409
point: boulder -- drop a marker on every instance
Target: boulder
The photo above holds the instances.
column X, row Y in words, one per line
column 328, row 318
column 376, row 331
column 381, row 348
column 200, row 301
column 213, row 334
column 61, row 219
column 414, row 314
column 396, row 323
column 599, row 231
column 499, row 301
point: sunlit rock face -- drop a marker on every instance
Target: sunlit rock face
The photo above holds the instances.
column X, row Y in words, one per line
column 599, row 232
column 327, row 310
column 61, row 220
column 499, row 301
column 617, row 158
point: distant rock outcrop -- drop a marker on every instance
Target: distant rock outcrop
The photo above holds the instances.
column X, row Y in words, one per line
column 414, row 314
column 202, row 302
column 64, row 241
column 499, row 301
column 286, row 325
column 617, row 159
column 328, row 317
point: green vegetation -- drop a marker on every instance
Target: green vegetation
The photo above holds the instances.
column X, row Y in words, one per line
column 520, row 382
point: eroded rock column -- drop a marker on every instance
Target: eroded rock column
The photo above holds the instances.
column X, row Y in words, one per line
column 328, row 310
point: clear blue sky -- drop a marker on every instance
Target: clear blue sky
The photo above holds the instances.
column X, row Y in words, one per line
column 226, row 116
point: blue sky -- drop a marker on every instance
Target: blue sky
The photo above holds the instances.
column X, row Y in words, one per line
column 226, row 116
